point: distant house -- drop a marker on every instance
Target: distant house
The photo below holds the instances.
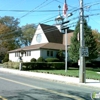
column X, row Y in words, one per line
column 46, row 42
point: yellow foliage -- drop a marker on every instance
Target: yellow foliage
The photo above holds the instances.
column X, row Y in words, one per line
column 3, row 29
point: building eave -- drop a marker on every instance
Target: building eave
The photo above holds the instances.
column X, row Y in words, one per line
column 53, row 46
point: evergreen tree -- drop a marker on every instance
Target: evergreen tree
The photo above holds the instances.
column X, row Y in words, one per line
column 60, row 55
column 89, row 42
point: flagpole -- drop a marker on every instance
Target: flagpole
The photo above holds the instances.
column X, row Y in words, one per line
column 66, row 49
column 66, row 54
column 65, row 8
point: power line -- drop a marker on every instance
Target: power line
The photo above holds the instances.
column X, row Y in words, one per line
column 46, row 4
column 47, row 29
column 95, row 21
column 40, row 6
column 52, row 29
column 34, row 9
column 93, row 14
column 59, row 1
column 48, row 19
column 92, row 3
column 95, row 9
column 31, row 11
column 54, row 11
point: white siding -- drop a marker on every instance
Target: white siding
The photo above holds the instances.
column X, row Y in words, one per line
column 34, row 54
column 39, row 31
column 44, row 53
column 13, row 58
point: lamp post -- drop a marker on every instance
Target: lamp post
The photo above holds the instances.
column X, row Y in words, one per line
column 20, row 58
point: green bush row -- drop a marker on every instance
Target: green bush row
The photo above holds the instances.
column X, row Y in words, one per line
column 47, row 65
column 41, row 59
column 43, row 65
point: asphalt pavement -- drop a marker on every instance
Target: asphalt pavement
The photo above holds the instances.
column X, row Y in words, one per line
column 64, row 79
column 17, row 87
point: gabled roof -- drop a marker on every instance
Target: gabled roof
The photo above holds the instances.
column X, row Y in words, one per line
column 52, row 33
column 52, row 46
column 54, row 36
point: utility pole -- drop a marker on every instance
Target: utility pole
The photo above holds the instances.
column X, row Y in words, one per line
column 82, row 45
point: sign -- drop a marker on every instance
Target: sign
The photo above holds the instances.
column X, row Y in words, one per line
column 78, row 36
column 79, row 62
column 84, row 51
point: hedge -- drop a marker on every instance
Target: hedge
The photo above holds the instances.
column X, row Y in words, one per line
column 52, row 60
column 93, row 64
column 43, row 65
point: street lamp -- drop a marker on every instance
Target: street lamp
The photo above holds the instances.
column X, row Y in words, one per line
column 20, row 58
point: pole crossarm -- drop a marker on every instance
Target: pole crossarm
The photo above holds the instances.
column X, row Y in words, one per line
column 65, row 22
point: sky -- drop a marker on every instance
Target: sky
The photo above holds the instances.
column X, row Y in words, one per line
column 45, row 11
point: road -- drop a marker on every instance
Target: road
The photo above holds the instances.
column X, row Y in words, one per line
column 15, row 87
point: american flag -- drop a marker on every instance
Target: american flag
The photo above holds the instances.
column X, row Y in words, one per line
column 65, row 8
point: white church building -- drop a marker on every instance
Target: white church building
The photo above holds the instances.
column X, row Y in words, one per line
column 46, row 41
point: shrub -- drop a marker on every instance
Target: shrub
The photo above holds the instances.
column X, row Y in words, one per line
column 40, row 59
column 52, row 60
column 33, row 60
column 6, row 58
column 60, row 55
column 14, row 65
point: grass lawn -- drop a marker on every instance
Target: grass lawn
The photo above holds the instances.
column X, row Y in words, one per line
column 74, row 72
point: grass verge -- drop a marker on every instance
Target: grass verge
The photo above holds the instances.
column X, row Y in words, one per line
column 73, row 72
